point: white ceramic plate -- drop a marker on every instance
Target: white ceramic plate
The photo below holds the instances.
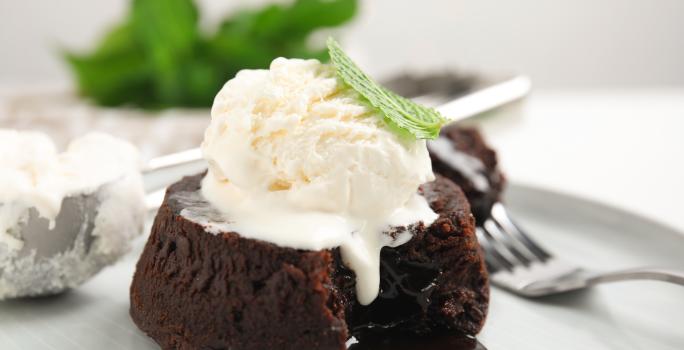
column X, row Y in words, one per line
column 629, row 315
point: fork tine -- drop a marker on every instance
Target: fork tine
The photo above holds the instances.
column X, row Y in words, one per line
column 500, row 216
column 494, row 260
column 500, row 248
column 508, row 242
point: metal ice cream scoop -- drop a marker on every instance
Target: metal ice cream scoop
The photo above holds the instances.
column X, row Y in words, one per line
column 62, row 254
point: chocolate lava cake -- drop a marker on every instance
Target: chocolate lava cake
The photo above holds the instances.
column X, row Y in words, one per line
column 461, row 154
column 195, row 289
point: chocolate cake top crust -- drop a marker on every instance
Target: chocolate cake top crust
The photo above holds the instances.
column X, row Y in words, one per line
column 461, row 154
column 197, row 290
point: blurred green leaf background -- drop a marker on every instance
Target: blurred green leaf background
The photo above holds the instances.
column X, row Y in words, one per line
column 159, row 57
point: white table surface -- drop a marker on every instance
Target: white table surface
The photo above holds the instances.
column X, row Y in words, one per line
column 621, row 147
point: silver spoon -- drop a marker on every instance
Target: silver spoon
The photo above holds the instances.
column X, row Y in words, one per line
column 71, row 251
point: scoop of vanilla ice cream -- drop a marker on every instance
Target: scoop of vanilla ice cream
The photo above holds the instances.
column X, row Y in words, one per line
column 299, row 160
column 297, row 133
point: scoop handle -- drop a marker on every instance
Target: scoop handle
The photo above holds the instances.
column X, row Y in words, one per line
column 165, row 170
column 172, row 160
column 487, row 99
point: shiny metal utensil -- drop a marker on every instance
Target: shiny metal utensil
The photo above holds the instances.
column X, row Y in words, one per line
column 486, row 99
column 58, row 256
column 437, row 88
column 520, row 265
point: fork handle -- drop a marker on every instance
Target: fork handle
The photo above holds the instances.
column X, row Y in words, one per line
column 675, row 276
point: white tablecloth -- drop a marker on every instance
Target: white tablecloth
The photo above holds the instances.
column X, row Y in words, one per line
column 624, row 148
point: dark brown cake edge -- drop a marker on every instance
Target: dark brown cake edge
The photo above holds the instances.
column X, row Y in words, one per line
column 460, row 302
column 185, row 294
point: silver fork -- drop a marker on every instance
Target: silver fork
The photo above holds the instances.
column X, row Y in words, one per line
column 520, row 265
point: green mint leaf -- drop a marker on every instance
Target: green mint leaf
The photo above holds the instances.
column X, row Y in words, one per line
column 116, row 72
column 115, row 78
column 118, row 39
column 168, row 32
column 305, row 16
column 399, row 112
column 166, row 27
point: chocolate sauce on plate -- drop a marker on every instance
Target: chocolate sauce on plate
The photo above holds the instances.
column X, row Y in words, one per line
column 428, row 342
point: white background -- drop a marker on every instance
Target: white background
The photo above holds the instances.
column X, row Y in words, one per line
column 558, row 43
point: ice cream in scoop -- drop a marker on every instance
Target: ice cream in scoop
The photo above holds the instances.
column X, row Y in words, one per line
column 64, row 215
